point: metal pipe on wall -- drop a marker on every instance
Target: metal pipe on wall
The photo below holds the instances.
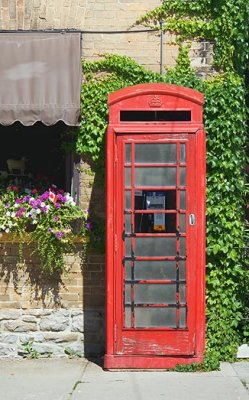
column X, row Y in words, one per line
column 161, row 48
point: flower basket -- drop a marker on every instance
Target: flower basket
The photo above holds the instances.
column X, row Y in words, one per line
column 51, row 221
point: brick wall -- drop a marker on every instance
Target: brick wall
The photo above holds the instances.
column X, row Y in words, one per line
column 101, row 15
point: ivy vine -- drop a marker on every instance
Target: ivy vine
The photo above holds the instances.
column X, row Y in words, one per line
column 225, row 23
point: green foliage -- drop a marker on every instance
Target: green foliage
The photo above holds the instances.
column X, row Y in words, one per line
column 225, row 22
column 31, row 352
column 71, row 353
column 48, row 219
column 102, row 77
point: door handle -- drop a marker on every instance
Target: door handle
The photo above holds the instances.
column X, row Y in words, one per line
column 191, row 219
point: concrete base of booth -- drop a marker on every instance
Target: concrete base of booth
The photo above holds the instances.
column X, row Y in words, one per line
column 147, row 362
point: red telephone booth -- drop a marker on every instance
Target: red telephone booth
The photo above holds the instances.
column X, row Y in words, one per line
column 155, row 246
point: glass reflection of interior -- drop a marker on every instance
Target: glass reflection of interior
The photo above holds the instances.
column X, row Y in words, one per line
column 154, row 201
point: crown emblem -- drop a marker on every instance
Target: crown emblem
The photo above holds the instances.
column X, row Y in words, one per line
column 155, row 101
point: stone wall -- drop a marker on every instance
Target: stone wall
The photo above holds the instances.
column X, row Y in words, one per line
column 56, row 316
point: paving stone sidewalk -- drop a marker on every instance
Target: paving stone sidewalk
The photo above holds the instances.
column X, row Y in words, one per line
column 80, row 379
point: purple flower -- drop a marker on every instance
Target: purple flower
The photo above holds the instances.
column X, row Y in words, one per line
column 20, row 212
column 59, row 235
column 44, row 196
column 62, row 198
column 26, row 198
column 88, row 225
column 7, row 205
column 56, row 218
column 33, row 203
column 38, row 202
column 18, row 201
column 44, row 209
column 49, row 230
column 57, row 205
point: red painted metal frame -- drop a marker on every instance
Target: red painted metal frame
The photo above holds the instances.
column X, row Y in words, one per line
column 153, row 97
column 164, row 341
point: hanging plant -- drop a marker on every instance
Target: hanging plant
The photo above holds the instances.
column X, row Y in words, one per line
column 46, row 219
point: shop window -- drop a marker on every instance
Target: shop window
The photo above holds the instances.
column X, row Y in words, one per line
column 34, row 157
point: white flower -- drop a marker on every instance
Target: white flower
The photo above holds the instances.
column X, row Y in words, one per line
column 7, row 230
column 13, row 214
column 38, row 211
column 34, row 222
column 8, row 214
column 69, row 199
column 16, row 205
column 10, row 224
column 43, row 204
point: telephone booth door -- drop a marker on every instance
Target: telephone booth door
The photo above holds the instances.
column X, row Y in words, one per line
column 155, row 280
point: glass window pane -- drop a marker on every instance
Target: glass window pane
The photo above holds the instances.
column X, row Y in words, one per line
column 182, row 270
column 183, row 293
column 183, row 246
column 183, row 153
column 127, row 294
column 127, row 199
column 170, row 223
column 182, row 176
column 128, row 247
column 155, row 176
column 182, row 200
column 155, row 317
column 127, row 176
column 183, row 322
column 155, row 293
column 155, row 223
column 155, row 153
column 127, row 317
column 155, row 270
column 127, row 270
column 155, row 246
column 182, row 223
column 128, row 223
column 127, row 153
